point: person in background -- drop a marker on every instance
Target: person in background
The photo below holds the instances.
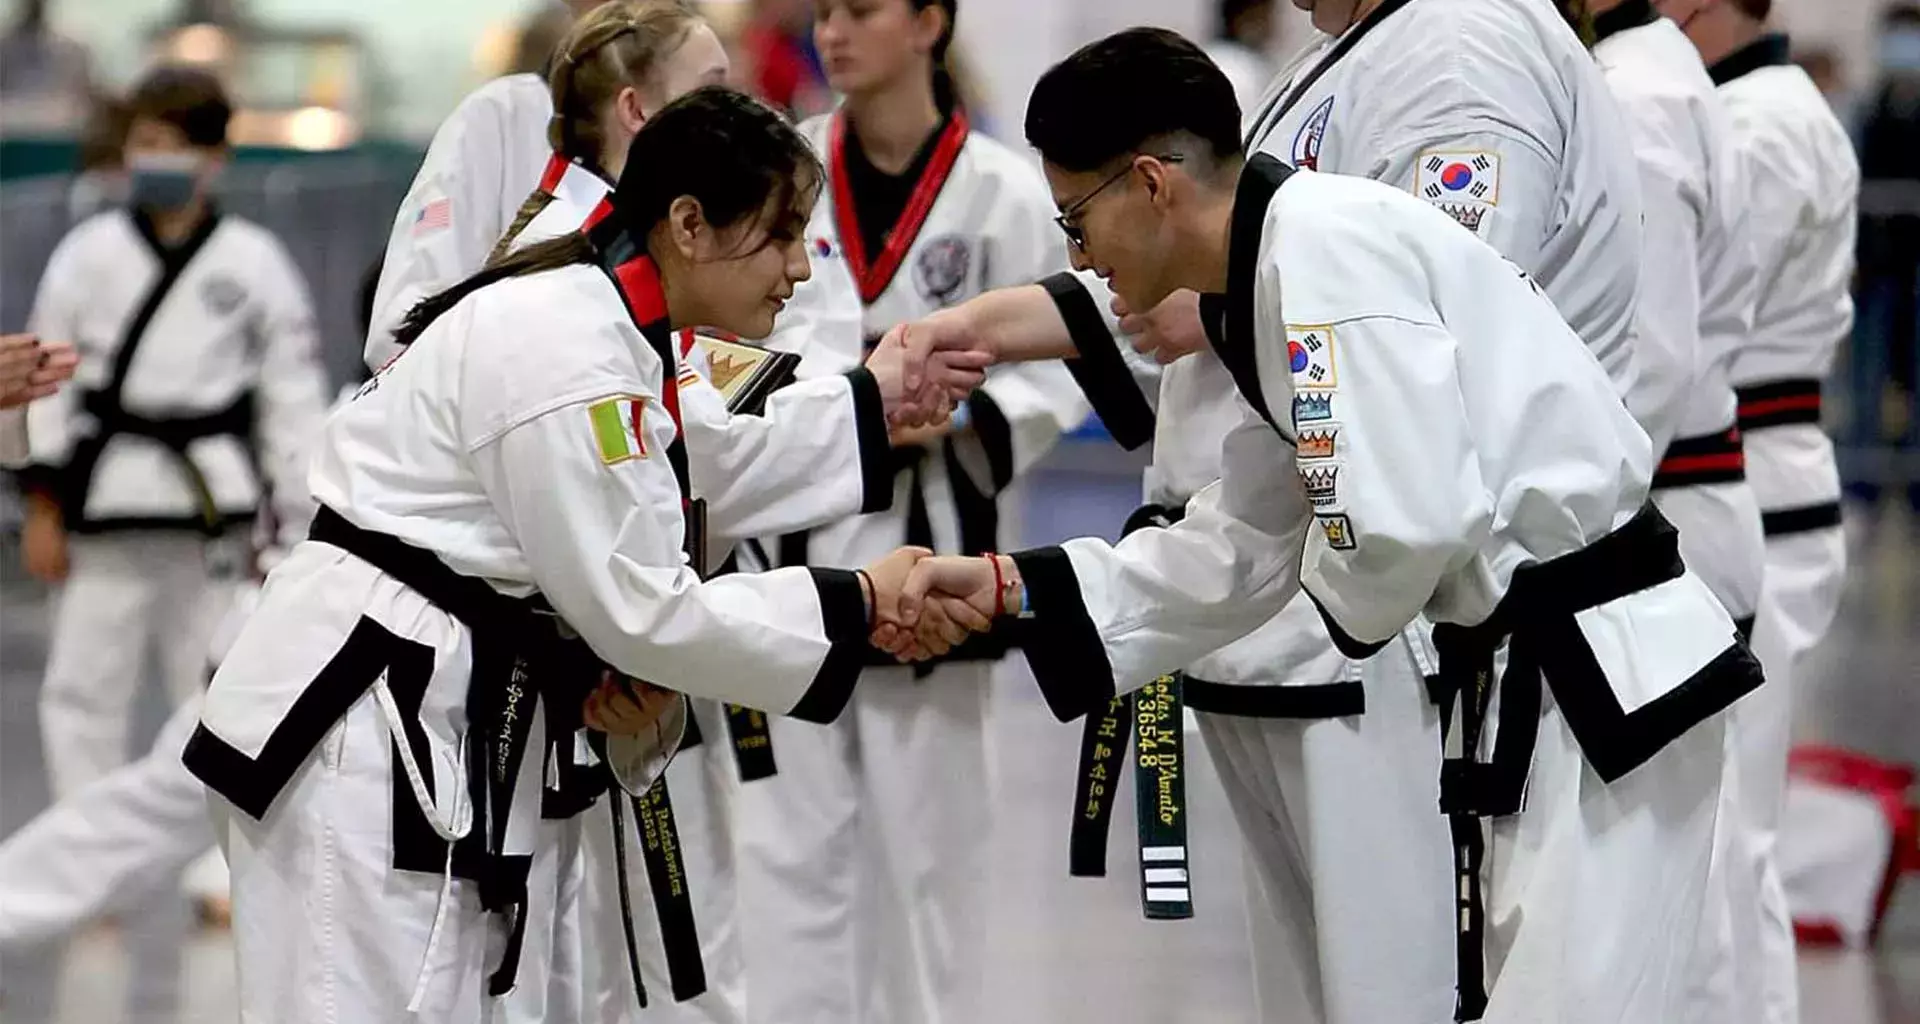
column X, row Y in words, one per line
column 1886, row 338
column 198, row 386
column 46, row 80
column 1803, row 183
column 102, row 181
column 783, row 67
column 1239, row 47
column 540, row 33
column 1822, row 64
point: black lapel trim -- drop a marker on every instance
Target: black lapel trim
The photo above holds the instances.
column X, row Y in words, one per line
column 1099, row 368
column 1277, row 109
column 1230, row 319
column 1770, row 50
column 1631, row 14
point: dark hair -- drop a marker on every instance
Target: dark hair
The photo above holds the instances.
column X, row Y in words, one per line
column 729, row 151
column 1901, row 14
column 1230, row 12
column 1114, row 95
column 188, row 99
column 945, row 92
column 1755, row 9
column 1579, row 17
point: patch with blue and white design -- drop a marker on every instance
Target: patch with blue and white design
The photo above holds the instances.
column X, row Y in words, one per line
column 1306, row 141
column 1310, row 356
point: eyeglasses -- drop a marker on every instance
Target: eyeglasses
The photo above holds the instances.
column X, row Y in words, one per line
column 1076, row 235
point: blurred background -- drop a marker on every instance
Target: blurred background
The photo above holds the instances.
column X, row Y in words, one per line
column 338, row 99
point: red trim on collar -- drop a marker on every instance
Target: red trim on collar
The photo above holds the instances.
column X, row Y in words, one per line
column 647, row 303
column 556, row 169
column 873, row 279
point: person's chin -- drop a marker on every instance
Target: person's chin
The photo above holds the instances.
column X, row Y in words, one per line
column 757, row 326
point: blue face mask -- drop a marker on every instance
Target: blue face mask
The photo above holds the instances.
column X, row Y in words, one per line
column 1900, row 51
column 162, row 181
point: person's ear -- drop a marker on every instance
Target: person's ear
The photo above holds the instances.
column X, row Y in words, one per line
column 688, row 230
column 630, row 109
column 929, row 24
column 1156, row 178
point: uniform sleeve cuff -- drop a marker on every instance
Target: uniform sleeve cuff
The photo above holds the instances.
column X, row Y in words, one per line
column 1068, row 658
column 843, row 615
column 1100, row 370
column 876, row 450
column 1354, row 648
column 995, row 435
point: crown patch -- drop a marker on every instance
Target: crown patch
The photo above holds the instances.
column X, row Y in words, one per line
column 1322, row 484
column 1310, row 406
column 1317, row 442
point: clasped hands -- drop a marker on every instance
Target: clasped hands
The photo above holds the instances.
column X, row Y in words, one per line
column 924, row 605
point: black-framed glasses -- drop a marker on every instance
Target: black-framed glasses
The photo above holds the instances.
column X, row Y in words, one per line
column 1076, row 235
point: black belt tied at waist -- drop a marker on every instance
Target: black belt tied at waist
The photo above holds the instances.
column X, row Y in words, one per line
column 1535, row 622
column 1716, row 458
column 1779, row 403
column 176, row 433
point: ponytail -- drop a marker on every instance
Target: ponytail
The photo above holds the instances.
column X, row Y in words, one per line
column 551, row 254
column 534, row 205
column 612, row 47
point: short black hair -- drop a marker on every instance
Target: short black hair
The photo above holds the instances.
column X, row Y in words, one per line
column 1755, row 9
column 190, row 99
column 1115, row 94
column 1901, row 14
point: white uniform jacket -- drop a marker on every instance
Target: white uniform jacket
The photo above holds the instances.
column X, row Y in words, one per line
column 1514, row 104
column 981, row 218
column 482, row 164
column 1698, row 286
column 817, row 454
column 485, row 468
column 1476, row 466
column 1803, row 190
column 15, row 444
column 198, row 389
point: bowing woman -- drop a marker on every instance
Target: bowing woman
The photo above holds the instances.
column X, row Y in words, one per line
column 504, row 509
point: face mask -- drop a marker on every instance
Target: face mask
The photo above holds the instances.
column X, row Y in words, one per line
column 163, row 181
column 1900, row 51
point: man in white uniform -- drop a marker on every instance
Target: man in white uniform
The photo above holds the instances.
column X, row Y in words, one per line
column 1698, row 285
column 1803, row 185
column 1568, row 623
column 1534, row 158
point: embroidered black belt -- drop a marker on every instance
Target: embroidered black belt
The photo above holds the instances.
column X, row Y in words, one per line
column 1779, row 403
column 1716, row 458
column 1535, row 621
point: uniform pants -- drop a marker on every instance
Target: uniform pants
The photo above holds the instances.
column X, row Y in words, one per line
column 325, row 930
column 124, row 839
column 1595, row 889
column 863, row 862
column 124, row 591
column 703, row 784
column 1805, row 575
column 1348, row 855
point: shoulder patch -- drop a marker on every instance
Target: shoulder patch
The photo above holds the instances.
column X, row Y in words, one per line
column 1323, row 486
column 1316, row 442
column 1338, row 530
column 1312, row 406
column 1306, row 141
column 433, row 218
column 1464, row 184
column 1310, row 356
column 619, row 430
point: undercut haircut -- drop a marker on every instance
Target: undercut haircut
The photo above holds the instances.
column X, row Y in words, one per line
column 1115, row 95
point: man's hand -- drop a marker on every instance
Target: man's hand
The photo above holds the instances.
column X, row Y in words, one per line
column 43, row 541
column 31, row 368
column 887, row 576
column 942, row 600
column 920, row 380
column 1168, row 332
column 611, row 707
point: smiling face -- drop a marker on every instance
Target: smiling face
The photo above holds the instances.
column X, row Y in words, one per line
column 738, row 278
column 1116, row 229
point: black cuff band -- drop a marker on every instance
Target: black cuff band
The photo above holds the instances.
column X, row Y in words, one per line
column 1101, row 371
column 843, row 615
column 876, row 450
column 996, row 436
column 1063, row 648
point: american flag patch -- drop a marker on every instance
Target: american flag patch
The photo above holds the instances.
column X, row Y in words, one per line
column 435, row 216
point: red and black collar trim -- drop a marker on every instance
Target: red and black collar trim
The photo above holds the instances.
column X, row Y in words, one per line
column 873, row 277
column 626, row 261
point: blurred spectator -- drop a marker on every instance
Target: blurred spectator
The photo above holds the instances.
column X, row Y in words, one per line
column 46, row 84
column 783, row 67
column 1822, row 64
column 1886, row 337
column 539, row 34
column 102, row 181
column 1239, row 47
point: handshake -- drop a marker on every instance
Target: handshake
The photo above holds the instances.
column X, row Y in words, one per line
column 926, row 369
column 923, row 605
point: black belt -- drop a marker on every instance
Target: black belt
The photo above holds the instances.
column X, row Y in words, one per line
column 176, row 434
column 1804, row 519
column 1779, row 403
column 1151, row 721
column 1320, row 700
column 1708, row 459
column 1535, row 621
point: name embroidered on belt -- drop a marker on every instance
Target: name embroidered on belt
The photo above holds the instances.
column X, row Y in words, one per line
column 1153, row 723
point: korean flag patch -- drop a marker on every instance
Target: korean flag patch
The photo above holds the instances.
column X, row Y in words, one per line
column 1310, row 356
column 1455, row 177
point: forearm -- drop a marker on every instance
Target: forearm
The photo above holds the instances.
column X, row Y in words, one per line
column 1022, row 324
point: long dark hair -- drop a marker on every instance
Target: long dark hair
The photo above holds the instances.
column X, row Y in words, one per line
column 731, row 152
column 945, row 92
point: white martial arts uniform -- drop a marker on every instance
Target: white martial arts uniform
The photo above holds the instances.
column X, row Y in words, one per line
column 863, row 861
column 1698, row 286
column 197, row 365
column 1512, row 101
column 785, row 470
column 1803, row 184
column 482, row 164
column 1434, row 355
column 15, row 445
column 483, row 468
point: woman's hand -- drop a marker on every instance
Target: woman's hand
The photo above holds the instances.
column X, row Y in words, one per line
column 31, row 368
column 612, row 707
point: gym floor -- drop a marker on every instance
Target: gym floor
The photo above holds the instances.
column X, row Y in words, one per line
column 1075, row 951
